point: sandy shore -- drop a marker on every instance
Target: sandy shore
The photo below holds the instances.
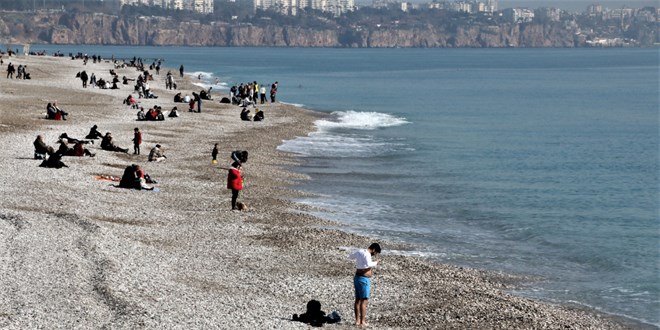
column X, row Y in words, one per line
column 76, row 252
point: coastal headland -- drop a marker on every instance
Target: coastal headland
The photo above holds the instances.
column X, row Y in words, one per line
column 77, row 252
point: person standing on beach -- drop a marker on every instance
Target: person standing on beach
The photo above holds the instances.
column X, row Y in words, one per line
column 234, row 182
column 181, row 70
column 10, row 71
column 263, row 94
column 362, row 280
column 137, row 140
column 273, row 92
column 84, row 77
column 214, row 154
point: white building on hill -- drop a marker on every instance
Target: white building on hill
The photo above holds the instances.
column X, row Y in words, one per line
column 200, row 6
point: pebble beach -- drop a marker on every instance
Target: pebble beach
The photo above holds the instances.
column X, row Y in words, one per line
column 78, row 253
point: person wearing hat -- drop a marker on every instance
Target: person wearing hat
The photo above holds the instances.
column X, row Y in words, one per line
column 234, row 182
column 157, row 154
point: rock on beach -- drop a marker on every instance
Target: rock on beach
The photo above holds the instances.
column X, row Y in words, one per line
column 76, row 252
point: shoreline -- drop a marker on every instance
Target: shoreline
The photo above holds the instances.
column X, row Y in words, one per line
column 121, row 258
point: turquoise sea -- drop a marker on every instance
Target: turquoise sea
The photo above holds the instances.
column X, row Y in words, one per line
column 542, row 162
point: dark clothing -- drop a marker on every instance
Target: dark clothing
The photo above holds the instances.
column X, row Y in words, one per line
column 94, row 133
column 214, row 153
column 130, row 179
column 108, row 144
column 54, row 161
column 234, row 197
column 240, row 156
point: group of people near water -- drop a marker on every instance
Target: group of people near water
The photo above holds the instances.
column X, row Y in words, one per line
column 251, row 93
column 134, row 176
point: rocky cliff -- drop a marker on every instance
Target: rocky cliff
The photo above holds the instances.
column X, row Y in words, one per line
column 59, row 28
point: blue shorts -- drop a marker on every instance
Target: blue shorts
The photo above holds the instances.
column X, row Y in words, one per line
column 362, row 287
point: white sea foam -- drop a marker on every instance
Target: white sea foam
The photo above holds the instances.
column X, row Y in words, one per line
column 297, row 105
column 361, row 120
column 328, row 142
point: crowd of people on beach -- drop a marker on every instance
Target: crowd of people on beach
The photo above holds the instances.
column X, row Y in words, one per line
column 134, row 176
column 251, row 93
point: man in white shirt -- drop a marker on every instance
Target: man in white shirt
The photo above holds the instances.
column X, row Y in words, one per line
column 362, row 281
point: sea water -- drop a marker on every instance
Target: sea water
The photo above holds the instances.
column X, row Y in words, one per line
column 541, row 162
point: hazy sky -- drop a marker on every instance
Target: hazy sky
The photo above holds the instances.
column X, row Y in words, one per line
column 577, row 5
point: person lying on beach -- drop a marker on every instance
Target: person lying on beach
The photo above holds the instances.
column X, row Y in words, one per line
column 41, row 149
column 108, row 144
column 73, row 140
column 54, row 161
column 78, row 149
column 94, row 133
column 157, row 154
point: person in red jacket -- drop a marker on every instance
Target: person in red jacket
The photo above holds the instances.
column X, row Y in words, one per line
column 234, row 182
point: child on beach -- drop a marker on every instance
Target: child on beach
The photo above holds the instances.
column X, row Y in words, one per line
column 234, row 182
column 137, row 140
column 214, row 154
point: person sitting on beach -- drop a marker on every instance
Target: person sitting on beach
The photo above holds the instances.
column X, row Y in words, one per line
column 151, row 114
column 246, row 102
column 53, row 112
column 173, row 113
column 186, row 99
column 41, row 149
column 125, row 80
column 101, row 83
column 178, row 98
column 191, row 104
column 54, row 161
column 94, row 133
column 108, row 144
column 141, row 116
column 240, row 156
column 130, row 101
column 157, row 154
column 64, row 149
column 159, row 114
column 133, row 178
column 259, row 115
column 206, row 95
column 79, row 150
column 245, row 114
